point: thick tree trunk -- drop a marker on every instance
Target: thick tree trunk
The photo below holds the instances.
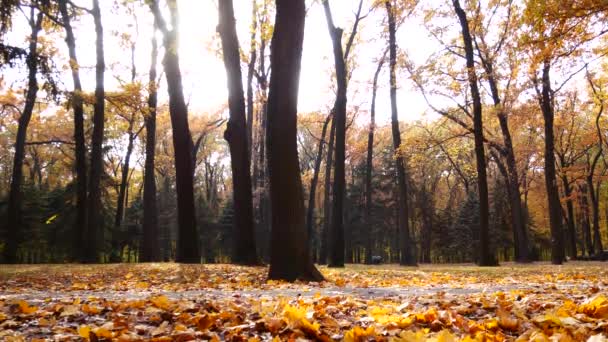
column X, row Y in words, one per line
column 369, row 167
column 237, row 135
column 570, row 213
column 336, row 255
column 187, row 236
column 150, row 244
column 290, row 255
column 310, row 211
column 15, row 194
column 486, row 257
column 79, row 139
column 325, row 243
column 406, row 246
column 94, row 205
column 546, row 102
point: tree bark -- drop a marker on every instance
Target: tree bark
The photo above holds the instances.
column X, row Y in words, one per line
column 336, row 255
column 150, row 244
column 310, row 211
column 187, row 236
column 546, row 103
column 15, row 198
column 369, row 166
column 250, row 73
column 325, row 244
column 486, row 257
column 94, row 205
column 587, row 239
column 406, row 246
column 290, row 255
column 79, row 139
column 237, row 135
column 570, row 213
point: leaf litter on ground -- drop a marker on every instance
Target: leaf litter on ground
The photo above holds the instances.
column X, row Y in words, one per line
column 171, row 302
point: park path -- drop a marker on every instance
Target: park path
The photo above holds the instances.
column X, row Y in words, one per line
column 393, row 292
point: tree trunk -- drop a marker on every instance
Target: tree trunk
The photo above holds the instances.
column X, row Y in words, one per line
column 336, row 255
column 570, row 213
column 546, row 102
column 369, row 167
column 520, row 232
column 94, row 205
column 250, row 73
column 150, row 244
column 325, row 246
column 237, row 135
column 486, row 257
column 595, row 212
column 290, row 255
column 15, row 194
column 406, row 246
column 313, row 187
column 187, row 236
column 79, row 139
column 586, row 226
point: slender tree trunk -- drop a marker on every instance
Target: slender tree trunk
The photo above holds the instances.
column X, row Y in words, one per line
column 369, row 167
column 79, row 139
column 290, row 255
column 546, row 102
column 486, row 256
column 336, row 255
column 570, row 213
column 250, row 74
column 237, row 135
column 586, row 225
column 406, row 246
column 14, row 219
column 94, row 205
column 150, row 244
column 187, row 236
column 595, row 212
column 325, row 243
column 310, row 213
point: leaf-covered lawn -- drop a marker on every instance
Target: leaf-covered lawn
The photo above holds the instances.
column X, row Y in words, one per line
column 170, row 302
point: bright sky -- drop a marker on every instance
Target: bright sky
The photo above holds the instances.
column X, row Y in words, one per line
column 203, row 71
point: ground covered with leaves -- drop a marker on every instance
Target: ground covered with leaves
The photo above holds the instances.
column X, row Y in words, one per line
column 170, row 302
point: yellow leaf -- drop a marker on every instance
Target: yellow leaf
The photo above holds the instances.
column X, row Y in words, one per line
column 84, row 331
column 142, row 285
column 89, row 309
column 26, row 308
column 161, row 302
column 596, row 307
column 359, row 334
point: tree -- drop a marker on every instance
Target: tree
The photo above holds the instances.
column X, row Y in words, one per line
column 336, row 236
column 187, row 241
column 488, row 56
column 94, row 228
column 290, row 255
column 237, row 135
column 406, row 246
column 150, row 239
column 15, row 193
column 79, row 138
column 310, row 211
column 369, row 164
column 486, row 257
